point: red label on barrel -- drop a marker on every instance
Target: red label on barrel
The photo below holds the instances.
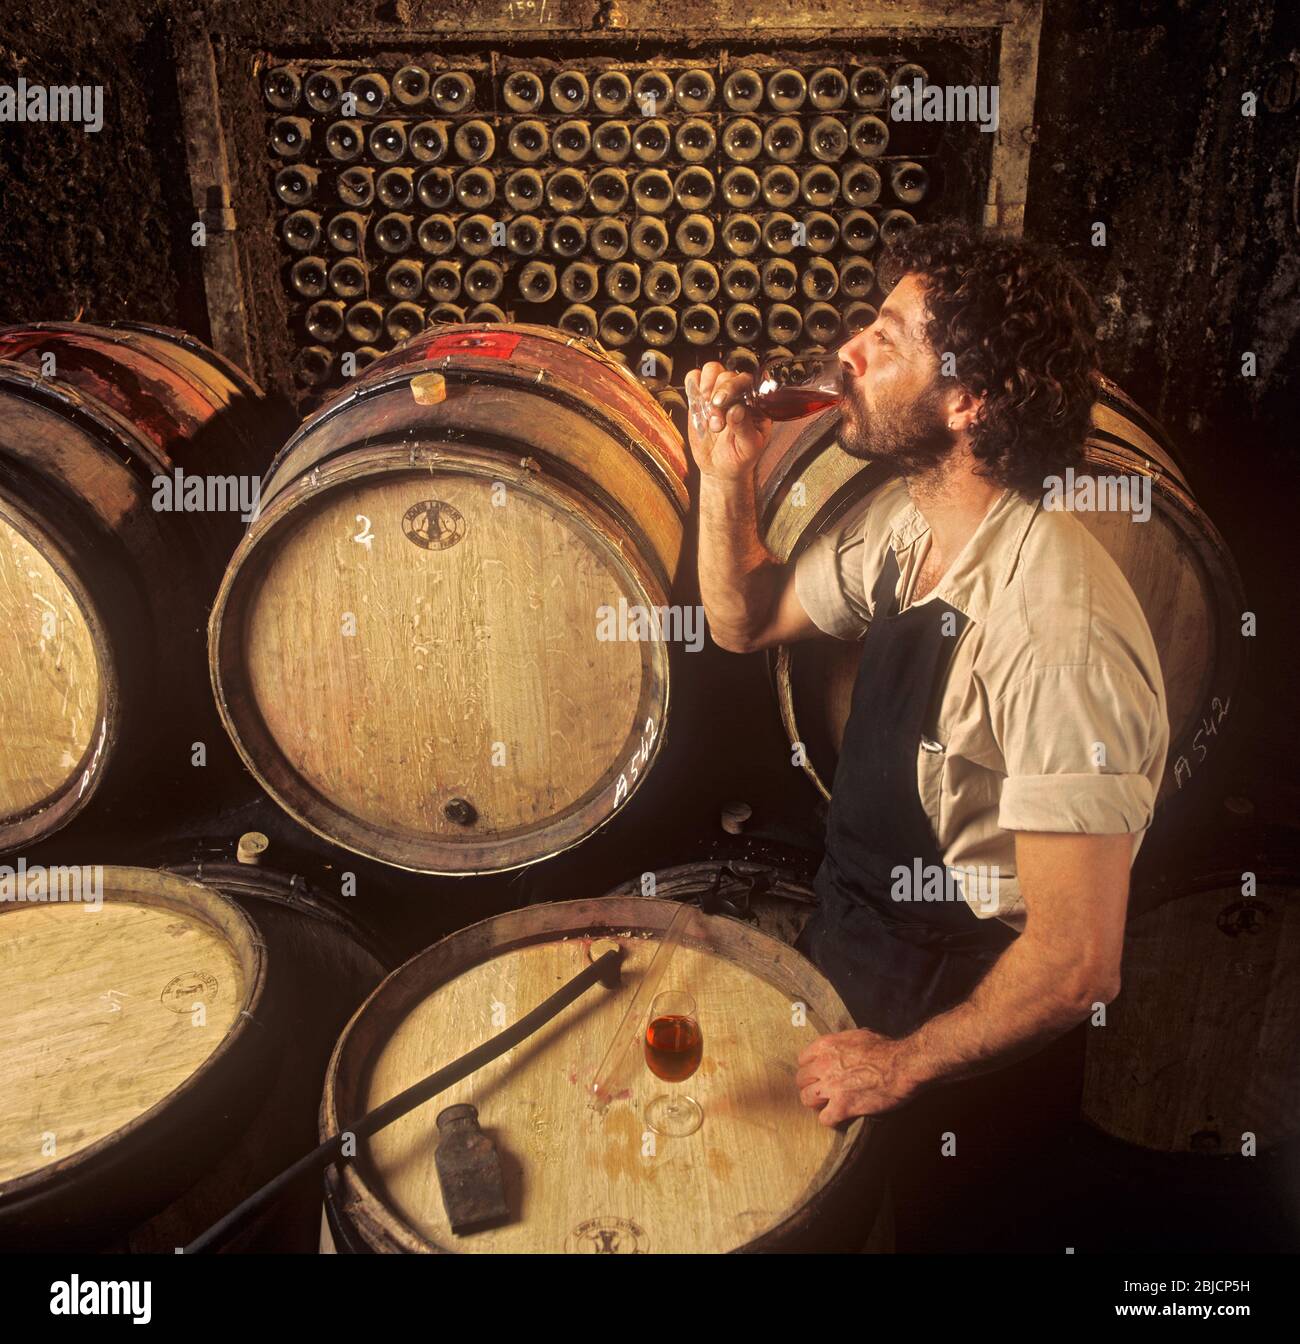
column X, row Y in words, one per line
column 497, row 345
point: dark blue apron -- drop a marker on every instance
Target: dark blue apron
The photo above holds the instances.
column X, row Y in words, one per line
column 898, row 963
column 895, row 963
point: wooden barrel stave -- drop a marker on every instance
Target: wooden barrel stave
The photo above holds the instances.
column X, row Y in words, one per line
column 575, row 1181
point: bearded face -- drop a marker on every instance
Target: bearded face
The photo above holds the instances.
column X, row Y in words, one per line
column 907, row 430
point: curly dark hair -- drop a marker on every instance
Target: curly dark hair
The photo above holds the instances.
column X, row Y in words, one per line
column 1023, row 330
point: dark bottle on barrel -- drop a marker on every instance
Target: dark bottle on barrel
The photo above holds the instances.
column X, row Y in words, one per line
column 580, row 320
column 469, row 1172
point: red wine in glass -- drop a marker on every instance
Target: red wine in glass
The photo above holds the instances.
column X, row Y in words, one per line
column 792, row 403
column 674, row 1046
column 789, row 387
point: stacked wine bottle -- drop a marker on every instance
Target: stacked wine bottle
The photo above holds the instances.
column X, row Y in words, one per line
column 675, row 213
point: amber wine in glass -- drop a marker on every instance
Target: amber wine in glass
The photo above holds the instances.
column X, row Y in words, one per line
column 674, row 1046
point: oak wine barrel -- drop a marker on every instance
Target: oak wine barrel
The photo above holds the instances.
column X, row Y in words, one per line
column 408, row 649
column 776, row 898
column 104, row 597
column 759, row 1174
column 1202, row 1046
column 1176, row 562
column 132, row 1120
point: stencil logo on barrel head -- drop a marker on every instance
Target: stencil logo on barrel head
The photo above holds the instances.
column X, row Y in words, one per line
column 183, row 992
column 607, row 1236
column 433, row 524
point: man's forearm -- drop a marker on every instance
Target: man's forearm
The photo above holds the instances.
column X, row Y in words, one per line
column 1024, row 1002
column 738, row 576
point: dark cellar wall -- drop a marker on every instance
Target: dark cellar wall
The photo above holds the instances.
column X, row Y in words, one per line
column 1138, row 125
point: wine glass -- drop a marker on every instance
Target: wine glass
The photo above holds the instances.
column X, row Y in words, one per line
column 786, row 387
column 674, row 1046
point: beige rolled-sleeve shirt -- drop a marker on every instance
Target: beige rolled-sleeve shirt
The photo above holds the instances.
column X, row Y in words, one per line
column 1053, row 714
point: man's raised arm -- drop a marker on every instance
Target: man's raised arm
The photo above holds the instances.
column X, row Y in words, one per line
column 748, row 596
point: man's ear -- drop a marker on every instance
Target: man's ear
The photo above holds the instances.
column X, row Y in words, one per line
column 962, row 408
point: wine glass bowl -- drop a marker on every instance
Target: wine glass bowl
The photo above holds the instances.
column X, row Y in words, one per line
column 674, row 1047
column 789, row 387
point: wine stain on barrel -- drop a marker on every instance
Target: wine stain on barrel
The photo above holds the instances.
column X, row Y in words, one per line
column 621, row 1156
